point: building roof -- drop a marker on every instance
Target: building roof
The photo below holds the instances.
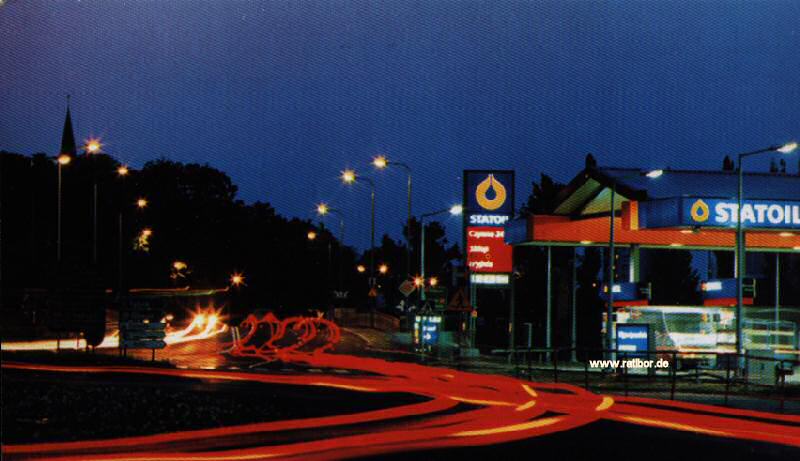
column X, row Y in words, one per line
column 589, row 192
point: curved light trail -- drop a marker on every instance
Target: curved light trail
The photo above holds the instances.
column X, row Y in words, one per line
column 463, row 409
column 204, row 325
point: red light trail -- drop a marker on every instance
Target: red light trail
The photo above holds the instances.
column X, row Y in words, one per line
column 499, row 408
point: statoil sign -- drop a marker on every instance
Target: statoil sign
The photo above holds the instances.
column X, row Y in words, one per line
column 715, row 212
column 755, row 213
column 488, row 206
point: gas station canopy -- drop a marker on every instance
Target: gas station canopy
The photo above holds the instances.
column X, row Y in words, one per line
column 680, row 208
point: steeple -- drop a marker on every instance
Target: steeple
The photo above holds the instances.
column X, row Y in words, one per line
column 68, row 136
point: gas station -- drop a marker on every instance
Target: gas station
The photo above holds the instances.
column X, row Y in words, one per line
column 684, row 210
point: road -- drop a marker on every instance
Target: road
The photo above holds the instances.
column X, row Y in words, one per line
column 460, row 409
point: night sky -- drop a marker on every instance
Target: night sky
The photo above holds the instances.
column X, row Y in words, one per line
column 283, row 95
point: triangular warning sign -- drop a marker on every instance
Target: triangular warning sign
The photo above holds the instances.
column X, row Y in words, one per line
column 373, row 293
column 460, row 301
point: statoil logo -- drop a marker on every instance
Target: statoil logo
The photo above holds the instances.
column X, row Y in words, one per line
column 490, row 187
column 699, row 211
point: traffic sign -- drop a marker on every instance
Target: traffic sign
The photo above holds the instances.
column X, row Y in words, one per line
column 460, row 301
column 144, row 344
column 407, row 287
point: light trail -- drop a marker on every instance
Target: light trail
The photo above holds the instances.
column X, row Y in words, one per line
column 466, row 410
column 202, row 326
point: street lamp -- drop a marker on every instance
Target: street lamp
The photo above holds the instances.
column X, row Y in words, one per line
column 92, row 146
column 122, row 170
column 381, row 162
column 349, row 177
column 454, row 210
column 237, row 279
column 62, row 160
column 311, row 235
column 652, row 174
column 383, row 269
column 741, row 244
column 323, row 209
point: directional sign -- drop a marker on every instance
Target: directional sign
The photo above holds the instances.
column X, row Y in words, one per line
column 140, row 325
column 438, row 295
column 145, row 344
column 407, row 287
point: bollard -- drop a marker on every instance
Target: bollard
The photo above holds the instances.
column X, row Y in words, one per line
column 727, row 378
column 674, row 373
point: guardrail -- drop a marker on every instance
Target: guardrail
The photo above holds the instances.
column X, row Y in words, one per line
column 754, row 375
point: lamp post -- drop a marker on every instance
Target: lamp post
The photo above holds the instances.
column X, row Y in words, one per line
column 349, row 177
column 381, row 162
column 62, row 160
column 454, row 210
column 741, row 244
column 611, row 248
column 93, row 147
column 323, row 209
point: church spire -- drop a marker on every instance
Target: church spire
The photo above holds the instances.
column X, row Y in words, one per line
column 68, row 136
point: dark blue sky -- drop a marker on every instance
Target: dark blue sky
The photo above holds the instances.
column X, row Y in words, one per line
column 283, row 95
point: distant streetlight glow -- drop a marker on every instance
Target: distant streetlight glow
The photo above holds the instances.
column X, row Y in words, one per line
column 787, row 148
column 237, row 279
column 322, row 209
column 64, row 159
column 141, row 203
column 418, row 281
column 179, row 265
column 360, row 268
column 383, row 268
column 122, row 170
column 312, row 235
column 93, row 146
column 348, row 176
column 433, row 281
column 379, row 162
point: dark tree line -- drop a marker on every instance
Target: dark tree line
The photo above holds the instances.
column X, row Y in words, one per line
column 200, row 234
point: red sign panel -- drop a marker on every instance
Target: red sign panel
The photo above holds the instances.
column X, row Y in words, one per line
column 487, row 250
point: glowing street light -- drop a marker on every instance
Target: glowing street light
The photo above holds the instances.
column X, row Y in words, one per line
column 741, row 244
column 381, row 162
column 237, row 279
column 311, row 235
column 122, row 170
column 418, row 281
column 454, row 210
column 62, row 160
column 787, row 148
column 348, row 176
column 141, row 203
column 147, row 232
column 383, row 268
column 433, row 281
column 179, row 265
column 93, row 146
column 322, row 209
column 361, row 269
